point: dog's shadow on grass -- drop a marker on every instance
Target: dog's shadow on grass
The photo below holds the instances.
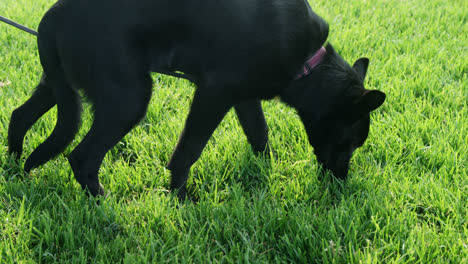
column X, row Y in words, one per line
column 330, row 192
column 255, row 170
column 48, row 203
column 250, row 172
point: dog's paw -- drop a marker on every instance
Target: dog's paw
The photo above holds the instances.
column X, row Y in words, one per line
column 181, row 193
column 266, row 152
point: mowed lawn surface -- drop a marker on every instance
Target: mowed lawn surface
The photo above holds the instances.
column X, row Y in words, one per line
column 406, row 200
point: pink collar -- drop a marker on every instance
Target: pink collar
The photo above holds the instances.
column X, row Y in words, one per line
column 311, row 63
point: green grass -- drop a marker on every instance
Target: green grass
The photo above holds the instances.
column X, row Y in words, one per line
column 405, row 202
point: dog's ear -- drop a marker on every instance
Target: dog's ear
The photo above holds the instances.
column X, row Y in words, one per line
column 360, row 66
column 370, row 100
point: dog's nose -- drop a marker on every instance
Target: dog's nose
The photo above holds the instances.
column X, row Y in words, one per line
column 339, row 170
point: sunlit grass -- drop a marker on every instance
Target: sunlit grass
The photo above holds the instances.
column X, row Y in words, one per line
column 405, row 202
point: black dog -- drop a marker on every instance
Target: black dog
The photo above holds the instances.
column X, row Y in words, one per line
column 237, row 52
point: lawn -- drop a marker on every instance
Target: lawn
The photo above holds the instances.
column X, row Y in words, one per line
column 406, row 200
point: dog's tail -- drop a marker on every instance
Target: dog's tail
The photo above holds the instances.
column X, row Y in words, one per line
column 67, row 98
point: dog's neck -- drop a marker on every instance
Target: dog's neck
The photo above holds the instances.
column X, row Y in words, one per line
column 312, row 62
column 293, row 94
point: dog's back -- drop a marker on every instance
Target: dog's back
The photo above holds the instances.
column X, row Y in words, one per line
column 238, row 42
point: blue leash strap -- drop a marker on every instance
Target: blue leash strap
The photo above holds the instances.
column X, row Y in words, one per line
column 13, row 23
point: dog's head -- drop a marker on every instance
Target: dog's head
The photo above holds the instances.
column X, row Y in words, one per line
column 335, row 109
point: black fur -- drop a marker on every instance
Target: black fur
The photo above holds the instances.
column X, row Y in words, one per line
column 237, row 52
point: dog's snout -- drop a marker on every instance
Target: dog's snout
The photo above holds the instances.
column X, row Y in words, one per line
column 338, row 166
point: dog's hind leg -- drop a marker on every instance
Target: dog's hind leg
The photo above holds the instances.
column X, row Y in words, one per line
column 66, row 97
column 26, row 115
column 253, row 123
column 122, row 104
column 68, row 122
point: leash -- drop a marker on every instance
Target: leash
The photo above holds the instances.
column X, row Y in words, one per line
column 13, row 23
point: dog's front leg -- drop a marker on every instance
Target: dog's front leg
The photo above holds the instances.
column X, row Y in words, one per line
column 207, row 111
column 253, row 123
